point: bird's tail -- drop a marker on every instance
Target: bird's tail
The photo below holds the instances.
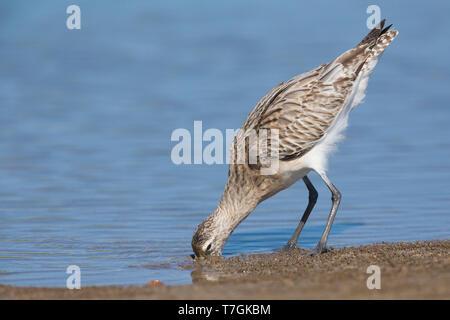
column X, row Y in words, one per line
column 376, row 32
column 377, row 40
column 363, row 57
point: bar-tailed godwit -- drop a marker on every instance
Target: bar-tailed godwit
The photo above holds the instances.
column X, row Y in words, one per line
column 309, row 113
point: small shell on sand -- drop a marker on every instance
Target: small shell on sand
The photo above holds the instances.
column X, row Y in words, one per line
column 155, row 283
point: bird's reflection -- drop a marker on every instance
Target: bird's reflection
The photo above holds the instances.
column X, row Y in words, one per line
column 202, row 276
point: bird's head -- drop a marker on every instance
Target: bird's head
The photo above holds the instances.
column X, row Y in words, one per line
column 209, row 238
column 212, row 234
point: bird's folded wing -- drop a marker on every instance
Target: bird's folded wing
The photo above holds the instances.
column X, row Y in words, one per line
column 302, row 109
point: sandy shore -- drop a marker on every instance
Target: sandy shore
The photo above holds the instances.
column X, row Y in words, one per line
column 419, row 270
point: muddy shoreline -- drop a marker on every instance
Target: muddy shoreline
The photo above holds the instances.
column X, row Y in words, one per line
column 419, row 270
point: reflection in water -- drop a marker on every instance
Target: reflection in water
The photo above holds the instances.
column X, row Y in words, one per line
column 199, row 276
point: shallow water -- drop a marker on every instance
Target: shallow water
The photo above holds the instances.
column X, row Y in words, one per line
column 85, row 168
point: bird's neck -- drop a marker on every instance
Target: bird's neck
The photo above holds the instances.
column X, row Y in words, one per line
column 235, row 205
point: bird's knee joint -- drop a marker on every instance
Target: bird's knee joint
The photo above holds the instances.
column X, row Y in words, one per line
column 336, row 196
column 313, row 195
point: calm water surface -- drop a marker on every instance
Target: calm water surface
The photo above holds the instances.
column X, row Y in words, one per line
column 85, row 170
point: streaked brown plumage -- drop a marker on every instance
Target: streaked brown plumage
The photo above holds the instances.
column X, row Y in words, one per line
column 308, row 112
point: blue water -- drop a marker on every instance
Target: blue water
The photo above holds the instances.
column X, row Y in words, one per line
column 86, row 118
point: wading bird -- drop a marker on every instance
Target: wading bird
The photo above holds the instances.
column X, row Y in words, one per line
column 309, row 113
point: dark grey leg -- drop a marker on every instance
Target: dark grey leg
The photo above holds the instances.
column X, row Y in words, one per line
column 336, row 199
column 292, row 243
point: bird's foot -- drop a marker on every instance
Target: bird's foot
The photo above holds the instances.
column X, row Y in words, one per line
column 319, row 249
column 291, row 245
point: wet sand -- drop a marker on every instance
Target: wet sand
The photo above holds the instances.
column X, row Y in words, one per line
column 419, row 270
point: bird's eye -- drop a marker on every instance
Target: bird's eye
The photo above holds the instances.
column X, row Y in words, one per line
column 208, row 247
